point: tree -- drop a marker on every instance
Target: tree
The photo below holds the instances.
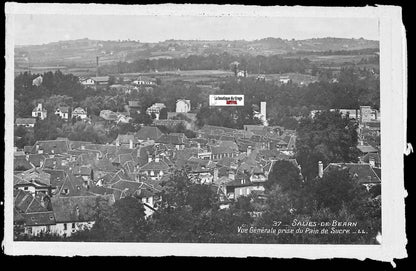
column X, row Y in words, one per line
column 286, row 175
column 142, row 118
column 48, row 129
column 328, row 137
column 124, row 221
column 23, row 137
column 163, row 113
column 337, row 189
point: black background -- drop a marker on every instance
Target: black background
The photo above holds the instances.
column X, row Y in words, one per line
column 262, row 264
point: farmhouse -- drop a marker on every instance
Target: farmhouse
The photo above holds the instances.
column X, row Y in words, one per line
column 26, row 122
column 39, row 112
column 63, row 112
column 79, row 112
column 183, row 106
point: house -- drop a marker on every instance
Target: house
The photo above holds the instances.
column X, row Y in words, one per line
column 37, row 81
column 31, row 215
column 224, row 149
column 74, row 214
column 364, row 149
column 134, row 106
column 241, row 187
column 183, row 106
column 127, row 141
column 100, row 81
column 51, row 147
column 39, row 112
column 35, row 181
column 26, row 122
column 372, row 158
column 79, row 112
column 155, row 168
column 144, row 81
column 363, row 173
column 155, row 109
column 87, row 82
column 284, row 79
column 242, row 73
column 176, row 139
column 63, row 112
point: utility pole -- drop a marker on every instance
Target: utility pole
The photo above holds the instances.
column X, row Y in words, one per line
column 97, row 65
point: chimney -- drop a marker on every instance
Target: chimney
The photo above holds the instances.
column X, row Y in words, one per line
column 263, row 110
column 320, row 169
column 372, row 162
column 149, row 157
column 131, row 144
column 249, row 149
column 41, row 163
column 215, row 175
column 231, row 175
column 157, row 159
column 82, row 147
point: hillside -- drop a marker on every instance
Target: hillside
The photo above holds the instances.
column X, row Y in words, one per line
column 80, row 55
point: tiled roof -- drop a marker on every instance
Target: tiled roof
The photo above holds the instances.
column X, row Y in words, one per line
column 363, row 173
column 51, row 146
column 153, row 165
column 63, row 109
column 35, row 175
column 175, row 139
column 125, row 139
column 78, row 208
column 36, row 159
column 21, row 163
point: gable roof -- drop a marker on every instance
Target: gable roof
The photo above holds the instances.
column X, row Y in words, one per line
column 173, row 138
column 153, row 165
column 25, row 121
column 51, row 146
column 363, row 173
column 366, row 148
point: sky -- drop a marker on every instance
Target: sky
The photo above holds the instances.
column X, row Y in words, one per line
column 38, row 29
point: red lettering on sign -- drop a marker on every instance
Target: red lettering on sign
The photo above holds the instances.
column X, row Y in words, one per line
column 231, row 102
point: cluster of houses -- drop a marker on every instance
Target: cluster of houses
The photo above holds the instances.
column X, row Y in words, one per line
column 59, row 183
column 39, row 112
column 125, row 84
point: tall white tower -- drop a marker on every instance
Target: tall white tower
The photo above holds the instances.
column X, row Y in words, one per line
column 263, row 113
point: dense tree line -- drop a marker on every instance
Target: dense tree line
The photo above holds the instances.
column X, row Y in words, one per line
column 190, row 212
column 253, row 64
column 286, row 103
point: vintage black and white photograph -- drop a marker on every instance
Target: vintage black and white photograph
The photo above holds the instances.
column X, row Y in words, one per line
column 196, row 129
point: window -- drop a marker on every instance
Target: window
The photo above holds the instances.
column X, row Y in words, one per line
column 65, row 227
column 73, row 225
